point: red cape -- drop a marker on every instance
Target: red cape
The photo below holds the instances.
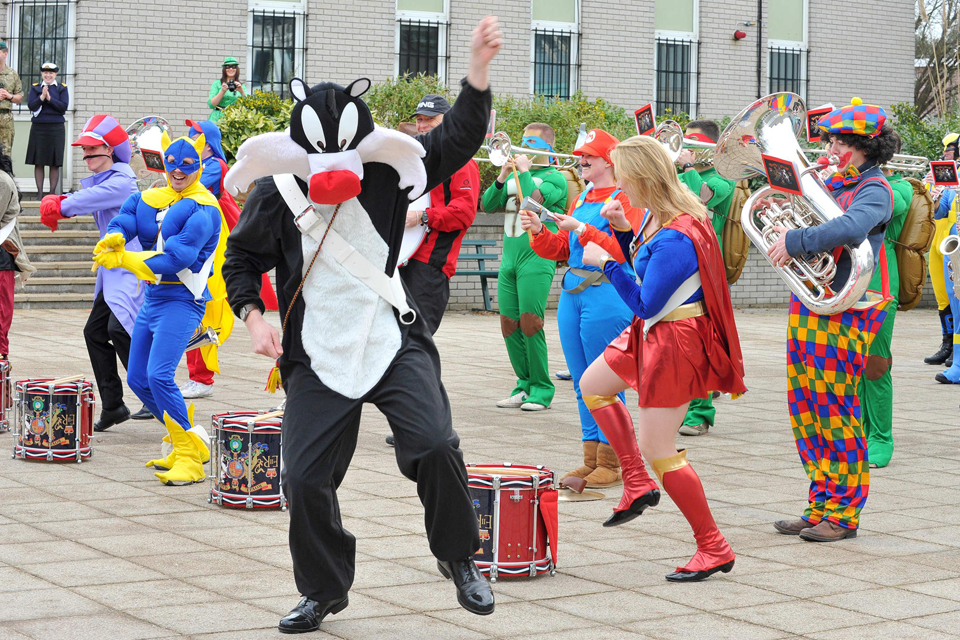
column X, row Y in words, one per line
column 716, row 293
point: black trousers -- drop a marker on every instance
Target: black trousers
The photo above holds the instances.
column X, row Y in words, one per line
column 430, row 289
column 106, row 339
column 319, row 437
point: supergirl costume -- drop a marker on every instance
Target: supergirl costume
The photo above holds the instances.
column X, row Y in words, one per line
column 524, row 278
column 187, row 235
column 826, row 354
column 590, row 313
column 682, row 344
column 117, row 295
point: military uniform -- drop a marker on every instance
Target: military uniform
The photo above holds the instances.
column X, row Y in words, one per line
column 10, row 81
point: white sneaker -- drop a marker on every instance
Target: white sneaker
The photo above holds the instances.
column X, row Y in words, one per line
column 193, row 389
column 694, row 430
column 532, row 406
column 513, row 402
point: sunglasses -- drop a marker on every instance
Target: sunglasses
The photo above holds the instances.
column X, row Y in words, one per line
column 231, row 66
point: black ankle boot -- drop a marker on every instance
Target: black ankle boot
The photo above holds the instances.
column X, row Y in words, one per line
column 946, row 350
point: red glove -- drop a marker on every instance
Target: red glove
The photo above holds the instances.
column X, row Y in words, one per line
column 50, row 211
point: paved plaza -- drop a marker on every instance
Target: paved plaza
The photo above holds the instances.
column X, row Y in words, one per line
column 102, row 550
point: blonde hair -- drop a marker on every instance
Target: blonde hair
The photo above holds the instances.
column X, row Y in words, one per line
column 642, row 165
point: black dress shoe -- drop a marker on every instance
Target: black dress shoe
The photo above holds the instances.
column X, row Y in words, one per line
column 391, row 441
column 112, row 417
column 649, row 499
column 143, row 414
column 697, row 576
column 473, row 591
column 308, row 615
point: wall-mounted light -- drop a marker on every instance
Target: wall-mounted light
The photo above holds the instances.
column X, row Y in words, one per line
column 739, row 35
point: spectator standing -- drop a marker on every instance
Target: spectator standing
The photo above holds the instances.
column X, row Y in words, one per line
column 225, row 91
column 48, row 101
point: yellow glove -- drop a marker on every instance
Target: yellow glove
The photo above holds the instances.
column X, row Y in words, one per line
column 109, row 259
column 113, row 241
column 134, row 261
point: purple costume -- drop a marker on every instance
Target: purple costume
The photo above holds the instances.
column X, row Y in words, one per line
column 102, row 195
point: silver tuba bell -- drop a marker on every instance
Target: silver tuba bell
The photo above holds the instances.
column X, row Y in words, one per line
column 147, row 157
column 950, row 248
column 770, row 126
column 670, row 134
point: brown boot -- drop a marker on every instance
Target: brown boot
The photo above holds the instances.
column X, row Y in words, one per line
column 827, row 531
column 589, row 461
column 607, row 473
column 791, row 527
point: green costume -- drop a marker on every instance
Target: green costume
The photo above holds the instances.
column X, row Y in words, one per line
column 229, row 97
column 10, row 81
column 524, row 281
column 876, row 396
column 701, row 409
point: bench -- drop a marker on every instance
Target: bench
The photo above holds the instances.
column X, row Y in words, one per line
column 482, row 271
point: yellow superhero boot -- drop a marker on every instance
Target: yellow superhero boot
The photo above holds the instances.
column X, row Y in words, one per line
column 187, row 467
column 199, row 434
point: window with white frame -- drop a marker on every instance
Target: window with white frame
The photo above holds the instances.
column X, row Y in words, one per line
column 277, row 45
column 676, row 57
column 787, row 47
column 42, row 31
column 421, row 37
column 555, row 55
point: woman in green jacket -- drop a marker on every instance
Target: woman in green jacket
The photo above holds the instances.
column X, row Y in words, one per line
column 225, row 91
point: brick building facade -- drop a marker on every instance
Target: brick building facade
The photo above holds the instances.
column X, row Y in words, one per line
column 133, row 59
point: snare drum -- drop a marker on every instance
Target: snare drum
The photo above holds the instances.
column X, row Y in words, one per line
column 245, row 463
column 6, row 395
column 54, row 419
column 516, row 508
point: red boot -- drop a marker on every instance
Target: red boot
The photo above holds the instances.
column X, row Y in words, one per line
column 682, row 483
column 639, row 489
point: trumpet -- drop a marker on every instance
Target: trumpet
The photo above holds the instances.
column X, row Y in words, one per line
column 500, row 150
column 670, row 135
column 901, row 163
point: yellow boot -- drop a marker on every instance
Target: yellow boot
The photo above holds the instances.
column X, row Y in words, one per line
column 187, row 467
column 199, row 435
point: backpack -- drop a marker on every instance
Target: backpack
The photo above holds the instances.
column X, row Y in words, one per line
column 912, row 245
column 575, row 184
column 736, row 245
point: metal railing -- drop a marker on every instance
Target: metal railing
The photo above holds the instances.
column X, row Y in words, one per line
column 40, row 32
column 677, row 71
column 422, row 48
column 786, row 70
column 556, row 63
column 277, row 49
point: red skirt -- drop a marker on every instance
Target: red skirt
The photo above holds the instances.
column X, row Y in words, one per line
column 679, row 361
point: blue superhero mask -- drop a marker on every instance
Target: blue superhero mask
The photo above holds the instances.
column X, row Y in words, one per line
column 183, row 154
column 536, row 142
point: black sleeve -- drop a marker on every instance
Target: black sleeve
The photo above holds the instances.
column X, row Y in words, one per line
column 455, row 141
column 33, row 98
column 253, row 247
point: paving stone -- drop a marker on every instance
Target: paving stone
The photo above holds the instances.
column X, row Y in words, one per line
column 703, row 626
column 513, row 618
column 617, row 608
column 208, row 617
column 153, row 593
column 418, row 626
column 34, row 605
column 892, row 603
column 798, row 616
column 899, row 630
column 85, row 572
column 93, row 627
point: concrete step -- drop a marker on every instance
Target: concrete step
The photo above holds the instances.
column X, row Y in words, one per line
column 88, row 237
column 32, row 223
column 53, row 300
column 63, row 269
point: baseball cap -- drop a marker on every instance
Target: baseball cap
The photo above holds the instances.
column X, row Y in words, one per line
column 432, row 105
column 598, row 143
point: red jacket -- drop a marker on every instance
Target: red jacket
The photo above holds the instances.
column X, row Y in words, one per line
column 448, row 223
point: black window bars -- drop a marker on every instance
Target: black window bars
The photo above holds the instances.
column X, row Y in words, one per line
column 677, row 71
column 555, row 67
column 42, row 35
column 421, row 48
column 277, row 50
column 786, row 70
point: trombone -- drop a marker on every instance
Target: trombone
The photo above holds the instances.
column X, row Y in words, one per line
column 670, row 134
column 500, row 150
column 901, row 163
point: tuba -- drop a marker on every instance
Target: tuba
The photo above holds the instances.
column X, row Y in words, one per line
column 147, row 158
column 670, row 135
column 770, row 126
column 950, row 248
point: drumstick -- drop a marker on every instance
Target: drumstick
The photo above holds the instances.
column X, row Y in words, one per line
column 67, row 379
column 267, row 416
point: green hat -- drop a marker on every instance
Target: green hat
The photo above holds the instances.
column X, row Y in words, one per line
column 3, row 45
column 230, row 60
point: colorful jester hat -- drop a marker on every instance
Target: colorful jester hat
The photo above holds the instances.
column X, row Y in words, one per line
column 856, row 118
column 104, row 129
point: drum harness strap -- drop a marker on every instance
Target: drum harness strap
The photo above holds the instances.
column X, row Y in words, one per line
column 308, row 222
